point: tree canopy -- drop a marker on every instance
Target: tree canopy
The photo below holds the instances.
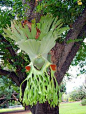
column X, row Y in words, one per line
column 69, row 47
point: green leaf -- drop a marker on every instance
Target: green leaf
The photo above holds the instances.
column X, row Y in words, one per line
column 47, row 44
column 75, row 40
column 31, row 47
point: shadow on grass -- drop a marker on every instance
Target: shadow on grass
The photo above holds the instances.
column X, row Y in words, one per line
column 16, row 112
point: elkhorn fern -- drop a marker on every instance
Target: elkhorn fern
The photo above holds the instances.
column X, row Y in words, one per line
column 37, row 40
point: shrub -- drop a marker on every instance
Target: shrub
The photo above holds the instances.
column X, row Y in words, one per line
column 78, row 94
column 83, row 102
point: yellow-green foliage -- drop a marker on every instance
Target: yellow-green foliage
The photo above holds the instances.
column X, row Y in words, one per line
column 41, row 86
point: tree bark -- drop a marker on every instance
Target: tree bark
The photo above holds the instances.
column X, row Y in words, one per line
column 11, row 75
column 43, row 109
column 46, row 109
column 63, row 54
column 30, row 12
column 72, row 53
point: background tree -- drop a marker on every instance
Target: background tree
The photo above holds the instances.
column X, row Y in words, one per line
column 78, row 94
column 8, row 92
column 63, row 53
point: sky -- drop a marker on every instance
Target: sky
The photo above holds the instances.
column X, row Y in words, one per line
column 75, row 81
column 4, row 8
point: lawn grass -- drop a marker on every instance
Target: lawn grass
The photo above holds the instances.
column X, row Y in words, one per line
column 72, row 108
column 12, row 109
column 65, row 108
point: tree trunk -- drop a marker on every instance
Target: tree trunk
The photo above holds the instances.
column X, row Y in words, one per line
column 44, row 109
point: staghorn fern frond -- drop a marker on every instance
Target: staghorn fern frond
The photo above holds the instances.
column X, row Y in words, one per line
column 37, row 40
column 50, row 30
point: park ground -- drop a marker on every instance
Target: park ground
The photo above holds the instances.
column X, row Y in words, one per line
column 65, row 108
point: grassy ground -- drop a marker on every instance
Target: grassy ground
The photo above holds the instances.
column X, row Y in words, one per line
column 66, row 108
column 72, row 108
column 9, row 110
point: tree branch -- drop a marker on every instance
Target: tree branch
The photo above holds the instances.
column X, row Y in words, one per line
column 77, row 26
column 72, row 34
column 30, row 12
column 60, row 73
column 31, row 4
column 63, row 54
column 12, row 52
column 15, row 57
column 3, row 102
column 11, row 75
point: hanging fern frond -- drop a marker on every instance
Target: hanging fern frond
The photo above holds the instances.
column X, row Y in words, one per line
column 37, row 39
